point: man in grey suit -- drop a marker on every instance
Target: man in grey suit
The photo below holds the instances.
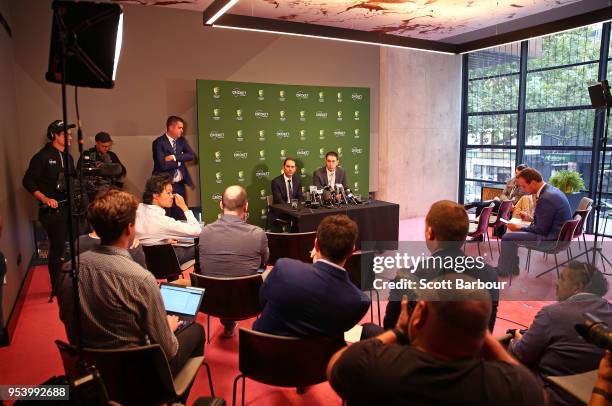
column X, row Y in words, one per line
column 330, row 174
column 551, row 211
column 551, row 345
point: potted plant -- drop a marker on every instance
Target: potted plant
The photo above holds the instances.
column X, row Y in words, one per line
column 570, row 183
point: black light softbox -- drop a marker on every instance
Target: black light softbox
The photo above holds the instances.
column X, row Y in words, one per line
column 91, row 34
column 600, row 95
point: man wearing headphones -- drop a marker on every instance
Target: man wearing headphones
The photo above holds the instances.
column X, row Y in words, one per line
column 43, row 181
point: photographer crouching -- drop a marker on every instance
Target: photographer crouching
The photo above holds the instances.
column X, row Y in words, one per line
column 44, row 179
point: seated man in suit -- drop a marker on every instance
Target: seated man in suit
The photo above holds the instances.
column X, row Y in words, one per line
column 170, row 153
column 286, row 186
column 446, row 228
column 153, row 227
column 120, row 300
column 304, row 300
column 551, row 345
column 551, row 210
column 230, row 247
column 451, row 358
column 330, row 174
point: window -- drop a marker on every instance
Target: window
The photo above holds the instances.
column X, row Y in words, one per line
column 552, row 128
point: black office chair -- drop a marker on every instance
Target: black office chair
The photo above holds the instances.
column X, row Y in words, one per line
column 162, row 262
column 360, row 270
column 290, row 245
column 228, row 298
column 283, row 361
column 136, row 375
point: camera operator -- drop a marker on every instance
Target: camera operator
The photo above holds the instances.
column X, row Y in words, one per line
column 551, row 346
column 44, row 179
column 100, row 167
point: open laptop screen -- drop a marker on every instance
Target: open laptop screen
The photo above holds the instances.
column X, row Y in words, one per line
column 180, row 300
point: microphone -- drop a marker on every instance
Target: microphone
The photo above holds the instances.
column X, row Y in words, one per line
column 110, row 169
column 328, row 196
column 349, row 195
column 105, row 158
column 340, row 191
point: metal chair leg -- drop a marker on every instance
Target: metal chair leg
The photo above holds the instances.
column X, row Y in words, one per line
column 489, row 241
column 207, row 329
column 210, row 382
column 557, row 264
column 371, row 308
column 478, row 245
column 235, row 387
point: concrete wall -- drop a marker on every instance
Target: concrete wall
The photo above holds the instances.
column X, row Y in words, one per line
column 420, row 118
column 16, row 238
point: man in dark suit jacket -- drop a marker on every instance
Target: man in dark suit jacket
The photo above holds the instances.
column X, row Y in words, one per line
column 446, row 228
column 551, row 211
column 330, row 174
column 551, row 346
column 282, row 190
column 170, row 152
column 305, row 300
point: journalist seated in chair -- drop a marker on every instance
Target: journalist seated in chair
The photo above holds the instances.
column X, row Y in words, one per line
column 552, row 209
column 287, row 186
column 230, row 247
column 319, row 299
column 512, row 191
column 439, row 354
column 446, row 228
column 153, row 227
column 121, row 305
column 551, row 345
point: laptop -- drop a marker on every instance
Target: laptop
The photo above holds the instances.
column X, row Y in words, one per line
column 181, row 301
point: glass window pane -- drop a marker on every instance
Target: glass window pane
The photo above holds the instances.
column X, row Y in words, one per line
column 499, row 129
column 560, row 87
column 494, row 61
column 489, row 164
column 494, row 94
column 548, row 162
column 560, row 128
column 579, row 45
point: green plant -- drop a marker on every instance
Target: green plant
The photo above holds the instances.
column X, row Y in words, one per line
column 567, row 181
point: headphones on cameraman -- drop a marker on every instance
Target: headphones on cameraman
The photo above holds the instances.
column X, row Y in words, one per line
column 51, row 135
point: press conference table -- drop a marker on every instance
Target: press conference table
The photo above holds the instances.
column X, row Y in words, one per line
column 377, row 220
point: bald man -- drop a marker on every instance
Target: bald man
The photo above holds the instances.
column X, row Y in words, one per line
column 230, row 247
column 451, row 359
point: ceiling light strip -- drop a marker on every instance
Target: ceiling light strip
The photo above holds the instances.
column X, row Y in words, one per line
column 382, row 44
column 221, row 11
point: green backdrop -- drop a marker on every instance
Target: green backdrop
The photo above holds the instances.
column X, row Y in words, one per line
column 246, row 130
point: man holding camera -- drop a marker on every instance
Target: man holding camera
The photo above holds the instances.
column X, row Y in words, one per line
column 44, row 179
column 551, row 345
column 101, row 153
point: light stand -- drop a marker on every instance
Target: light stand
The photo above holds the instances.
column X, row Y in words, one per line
column 81, row 55
column 600, row 98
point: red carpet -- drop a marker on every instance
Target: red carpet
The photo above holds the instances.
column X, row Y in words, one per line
column 32, row 356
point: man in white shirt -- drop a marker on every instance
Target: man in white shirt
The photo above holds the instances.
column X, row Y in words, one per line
column 331, row 174
column 153, row 227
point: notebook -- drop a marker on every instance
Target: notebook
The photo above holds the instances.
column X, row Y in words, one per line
column 181, row 301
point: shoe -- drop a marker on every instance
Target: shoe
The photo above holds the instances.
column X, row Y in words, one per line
column 302, row 389
column 228, row 331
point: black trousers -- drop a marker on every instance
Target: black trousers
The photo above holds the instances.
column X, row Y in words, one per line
column 55, row 223
column 191, row 344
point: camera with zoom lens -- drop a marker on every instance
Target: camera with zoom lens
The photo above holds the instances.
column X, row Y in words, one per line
column 595, row 331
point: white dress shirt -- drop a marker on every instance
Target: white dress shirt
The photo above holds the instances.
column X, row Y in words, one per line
column 331, row 178
column 153, row 227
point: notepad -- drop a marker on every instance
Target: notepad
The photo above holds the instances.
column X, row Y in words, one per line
column 354, row 334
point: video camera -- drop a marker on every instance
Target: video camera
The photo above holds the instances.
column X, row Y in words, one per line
column 97, row 172
column 596, row 332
